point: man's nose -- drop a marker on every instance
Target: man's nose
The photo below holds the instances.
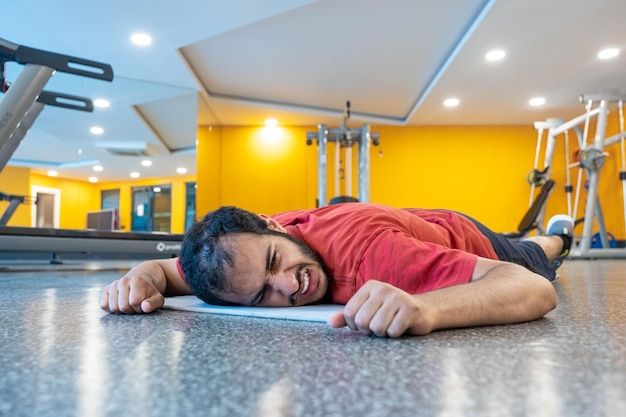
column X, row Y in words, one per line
column 287, row 283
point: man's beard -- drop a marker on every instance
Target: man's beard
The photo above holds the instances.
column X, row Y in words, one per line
column 307, row 252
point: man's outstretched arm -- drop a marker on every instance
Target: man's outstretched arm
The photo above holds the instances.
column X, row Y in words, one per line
column 143, row 288
column 499, row 293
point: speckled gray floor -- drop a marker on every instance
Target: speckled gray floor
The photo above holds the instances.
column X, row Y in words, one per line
column 62, row 356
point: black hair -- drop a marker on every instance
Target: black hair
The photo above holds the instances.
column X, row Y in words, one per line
column 204, row 258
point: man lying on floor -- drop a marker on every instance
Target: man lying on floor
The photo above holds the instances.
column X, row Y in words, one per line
column 398, row 271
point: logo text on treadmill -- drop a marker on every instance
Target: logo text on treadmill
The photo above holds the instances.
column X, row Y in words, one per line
column 162, row 247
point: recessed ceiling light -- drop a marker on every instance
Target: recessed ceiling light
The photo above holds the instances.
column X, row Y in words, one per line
column 96, row 130
column 93, row 179
column 451, row 102
column 134, row 175
column 157, row 189
column 537, row 101
column 181, row 170
column 98, row 168
column 52, row 173
column 608, row 53
column 141, row 39
column 102, row 103
column 495, row 55
column 271, row 122
column 146, row 162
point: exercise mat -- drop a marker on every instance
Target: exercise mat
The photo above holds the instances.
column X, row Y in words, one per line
column 319, row 312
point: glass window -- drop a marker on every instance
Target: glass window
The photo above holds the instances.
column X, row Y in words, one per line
column 110, row 199
column 190, row 203
column 152, row 208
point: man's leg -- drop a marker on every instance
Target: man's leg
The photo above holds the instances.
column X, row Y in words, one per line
column 541, row 254
column 551, row 245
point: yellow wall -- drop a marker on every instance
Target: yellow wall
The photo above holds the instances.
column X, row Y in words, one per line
column 208, row 169
column 479, row 170
column 236, row 167
column 16, row 181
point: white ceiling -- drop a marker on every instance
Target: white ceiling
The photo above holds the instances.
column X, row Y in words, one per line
column 238, row 62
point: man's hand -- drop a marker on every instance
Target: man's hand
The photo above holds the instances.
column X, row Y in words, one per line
column 131, row 294
column 143, row 288
column 385, row 311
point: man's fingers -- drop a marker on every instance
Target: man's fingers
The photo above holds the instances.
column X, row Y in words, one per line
column 150, row 304
column 135, row 298
column 104, row 299
column 365, row 314
column 377, row 308
column 113, row 297
column 124, row 302
column 382, row 321
column 130, row 295
column 354, row 305
column 337, row 320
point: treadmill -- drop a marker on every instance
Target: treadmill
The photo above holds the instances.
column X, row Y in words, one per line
column 21, row 105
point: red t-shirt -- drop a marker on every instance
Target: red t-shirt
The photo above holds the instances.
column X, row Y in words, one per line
column 415, row 250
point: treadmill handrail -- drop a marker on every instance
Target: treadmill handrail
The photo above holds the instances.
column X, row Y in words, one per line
column 60, row 62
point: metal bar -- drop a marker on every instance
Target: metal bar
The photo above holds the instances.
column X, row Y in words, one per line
column 594, row 179
column 623, row 153
column 321, row 165
column 549, row 156
column 19, row 99
column 567, row 175
column 8, row 212
column 574, row 122
column 536, row 165
column 364, row 165
column 601, row 225
column 348, row 168
column 16, row 138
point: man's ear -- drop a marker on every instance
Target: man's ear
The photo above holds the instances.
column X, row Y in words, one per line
column 272, row 224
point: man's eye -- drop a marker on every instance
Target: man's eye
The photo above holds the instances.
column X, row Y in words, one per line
column 273, row 261
column 262, row 297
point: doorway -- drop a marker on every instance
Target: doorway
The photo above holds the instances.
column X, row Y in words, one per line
column 47, row 210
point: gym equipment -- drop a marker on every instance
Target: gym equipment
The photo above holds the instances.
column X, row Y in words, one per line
column 14, row 202
column 592, row 156
column 25, row 98
column 22, row 103
column 345, row 138
column 57, row 241
column 533, row 219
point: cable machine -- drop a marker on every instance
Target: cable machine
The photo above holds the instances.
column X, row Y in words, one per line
column 344, row 138
column 592, row 155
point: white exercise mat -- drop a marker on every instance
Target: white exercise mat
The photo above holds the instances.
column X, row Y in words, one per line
column 306, row 313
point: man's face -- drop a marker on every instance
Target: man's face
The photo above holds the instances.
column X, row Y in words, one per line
column 273, row 271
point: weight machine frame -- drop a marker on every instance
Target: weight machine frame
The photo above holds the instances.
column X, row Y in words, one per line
column 591, row 160
column 344, row 137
